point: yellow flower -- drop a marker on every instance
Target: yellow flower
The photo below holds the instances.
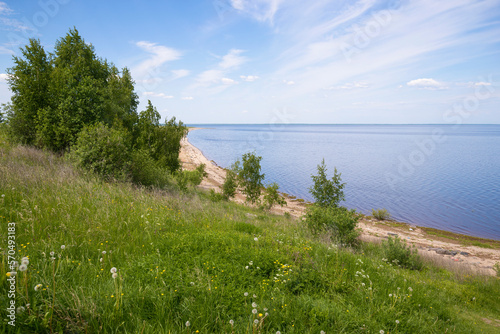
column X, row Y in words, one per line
column 8, row 274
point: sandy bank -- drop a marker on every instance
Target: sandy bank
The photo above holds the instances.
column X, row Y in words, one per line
column 455, row 255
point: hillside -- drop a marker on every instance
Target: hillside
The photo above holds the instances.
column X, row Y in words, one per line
column 185, row 264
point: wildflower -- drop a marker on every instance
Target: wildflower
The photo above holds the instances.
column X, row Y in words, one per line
column 397, row 321
column 410, row 289
column 231, row 322
column 103, row 252
column 254, row 311
column 245, row 294
column 256, row 321
column 115, row 275
column 38, row 287
column 63, row 247
column 15, row 264
column 246, row 267
column 52, row 253
column 266, row 314
column 192, row 283
column 278, row 332
column 13, row 273
column 254, row 304
column 188, row 324
column 381, row 331
column 254, row 296
column 265, row 309
column 255, row 239
column 25, row 260
column 260, row 315
column 20, row 309
column 112, row 270
column 52, row 258
column 322, row 332
column 23, row 267
column 100, row 260
column 390, row 295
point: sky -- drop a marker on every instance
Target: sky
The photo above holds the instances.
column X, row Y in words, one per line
column 285, row 61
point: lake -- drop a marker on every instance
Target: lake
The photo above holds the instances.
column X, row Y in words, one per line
column 441, row 176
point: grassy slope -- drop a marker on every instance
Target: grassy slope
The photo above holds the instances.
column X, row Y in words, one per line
column 183, row 258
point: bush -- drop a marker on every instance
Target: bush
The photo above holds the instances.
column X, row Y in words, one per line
column 230, row 184
column 147, row 172
column 103, row 150
column 272, row 196
column 381, row 214
column 338, row 221
column 496, row 267
column 186, row 178
column 327, row 192
column 215, row 196
column 397, row 252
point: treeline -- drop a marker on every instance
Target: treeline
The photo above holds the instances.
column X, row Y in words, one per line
column 72, row 101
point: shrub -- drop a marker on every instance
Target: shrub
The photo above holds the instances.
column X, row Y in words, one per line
column 147, row 172
column 230, row 184
column 397, row 252
column 103, row 150
column 381, row 214
column 272, row 196
column 327, row 192
column 496, row 267
column 186, row 178
column 215, row 196
column 338, row 221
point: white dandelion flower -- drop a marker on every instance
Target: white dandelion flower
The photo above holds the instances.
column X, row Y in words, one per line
column 278, row 332
column 23, row 267
column 231, row 322
column 63, row 247
column 246, row 267
column 322, row 332
column 115, row 275
column 381, row 331
column 15, row 264
column 100, row 260
column 397, row 321
column 254, row 296
column 256, row 321
column 112, row 270
column 390, row 295
column 256, row 239
column 254, row 304
column 254, row 311
column 38, row 287
column 20, row 309
column 245, row 294
column 25, row 261
column 265, row 309
column 52, row 253
column 188, row 324
column 103, row 252
column 410, row 289
column 192, row 283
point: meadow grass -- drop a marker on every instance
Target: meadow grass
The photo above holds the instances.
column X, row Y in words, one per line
column 182, row 259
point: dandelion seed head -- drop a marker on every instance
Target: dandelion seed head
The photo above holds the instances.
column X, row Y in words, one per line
column 397, row 321
column 103, row 252
column 112, row 270
column 278, row 332
column 322, row 332
column 254, row 296
column 246, row 267
column 254, row 304
column 245, row 294
column 52, row 253
column 63, row 247
column 381, row 331
column 38, row 287
column 256, row 321
column 20, row 309
column 25, row 261
column 231, row 322
column 254, row 311
column 256, row 239
column 23, row 267
column 115, row 275
column 188, row 324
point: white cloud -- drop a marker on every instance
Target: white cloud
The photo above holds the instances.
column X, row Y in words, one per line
column 5, row 9
column 289, row 82
column 249, row 78
column 159, row 55
column 482, row 83
column 5, row 51
column 227, row 81
column 260, row 10
column 180, row 73
column 232, row 59
column 4, row 76
column 162, row 95
column 188, row 98
column 426, row 83
column 350, row 85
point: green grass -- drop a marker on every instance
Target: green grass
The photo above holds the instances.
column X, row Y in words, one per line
column 181, row 257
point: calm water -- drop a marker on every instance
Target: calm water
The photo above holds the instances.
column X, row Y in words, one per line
column 438, row 176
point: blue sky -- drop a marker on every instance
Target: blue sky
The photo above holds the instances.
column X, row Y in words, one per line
column 286, row 61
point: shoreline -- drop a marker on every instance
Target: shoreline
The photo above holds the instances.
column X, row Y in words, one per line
column 455, row 251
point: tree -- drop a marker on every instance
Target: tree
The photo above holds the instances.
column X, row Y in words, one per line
column 230, row 184
column 28, row 80
column 327, row 192
column 250, row 176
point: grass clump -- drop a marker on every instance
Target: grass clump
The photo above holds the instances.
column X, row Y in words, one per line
column 381, row 214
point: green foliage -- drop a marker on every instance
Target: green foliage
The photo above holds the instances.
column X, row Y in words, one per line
column 104, row 151
column 381, row 214
column 272, row 196
column 327, row 192
column 397, row 252
column 215, row 196
column 147, row 172
column 250, row 176
column 496, row 267
column 230, row 184
column 340, row 222
column 193, row 178
column 183, row 258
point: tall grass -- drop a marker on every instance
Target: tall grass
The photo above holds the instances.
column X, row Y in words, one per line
column 181, row 257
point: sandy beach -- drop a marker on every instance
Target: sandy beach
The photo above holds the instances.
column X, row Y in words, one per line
column 443, row 251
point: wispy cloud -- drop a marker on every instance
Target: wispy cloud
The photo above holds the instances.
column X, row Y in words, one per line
column 180, row 73
column 162, row 95
column 229, row 62
column 261, row 10
column 4, row 76
column 5, row 51
column 158, row 55
column 187, row 98
column 350, row 85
